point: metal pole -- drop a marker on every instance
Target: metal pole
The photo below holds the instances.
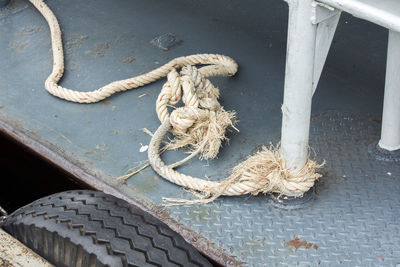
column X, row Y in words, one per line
column 298, row 84
column 390, row 132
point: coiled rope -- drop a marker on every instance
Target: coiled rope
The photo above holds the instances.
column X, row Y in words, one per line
column 201, row 124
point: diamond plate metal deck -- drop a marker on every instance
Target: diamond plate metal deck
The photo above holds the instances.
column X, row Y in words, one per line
column 354, row 220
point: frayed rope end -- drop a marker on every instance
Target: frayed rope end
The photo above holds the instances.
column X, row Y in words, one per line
column 264, row 173
column 206, row 134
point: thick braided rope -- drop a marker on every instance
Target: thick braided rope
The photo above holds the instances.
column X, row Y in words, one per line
column 194, row 90
column 219, row 65
column 200, row 98
column 296, row 183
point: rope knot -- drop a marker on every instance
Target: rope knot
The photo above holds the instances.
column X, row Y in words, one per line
column 183, row 118
column 202, row 122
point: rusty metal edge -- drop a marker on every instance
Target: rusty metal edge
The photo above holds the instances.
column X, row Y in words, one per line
column 97, row 180
column 15, row 253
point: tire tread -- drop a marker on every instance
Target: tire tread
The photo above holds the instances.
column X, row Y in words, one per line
column 125, row 232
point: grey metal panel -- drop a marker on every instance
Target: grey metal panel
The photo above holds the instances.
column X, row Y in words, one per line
column 353, row 217
column 385, row 13
column 354, row 220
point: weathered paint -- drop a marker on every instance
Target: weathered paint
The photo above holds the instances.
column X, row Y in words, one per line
column 15, row 254
column 298, row 84
column 101, row 181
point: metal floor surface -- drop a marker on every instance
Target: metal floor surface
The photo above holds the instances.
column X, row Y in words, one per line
column 354, row 219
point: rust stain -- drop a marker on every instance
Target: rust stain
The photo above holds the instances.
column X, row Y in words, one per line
column 75, row 41
column 297, row 243
column 89, row 152
column 113, row 132
column 1, row 107
column 90, row 122
column 128, row 60
column 22, row 47
column 19, row 47
column 377, row 120
column 105, row 103
column 29, row 30
column 74, row 67
column 99, row 50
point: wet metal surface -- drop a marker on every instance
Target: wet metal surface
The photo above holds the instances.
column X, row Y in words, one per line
column 353, row 220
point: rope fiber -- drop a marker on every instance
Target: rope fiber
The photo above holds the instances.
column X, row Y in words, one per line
column 200, row 124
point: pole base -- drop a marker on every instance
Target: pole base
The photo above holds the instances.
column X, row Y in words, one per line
column 293, row 203
column 382, row 154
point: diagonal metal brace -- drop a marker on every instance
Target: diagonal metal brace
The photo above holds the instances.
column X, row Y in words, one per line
column 326, row 18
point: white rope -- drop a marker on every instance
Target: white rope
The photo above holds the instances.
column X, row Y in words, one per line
column 201, row 123
column 220, row 66
column 261, row 173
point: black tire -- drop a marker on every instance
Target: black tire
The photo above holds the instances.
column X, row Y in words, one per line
column 88, row 228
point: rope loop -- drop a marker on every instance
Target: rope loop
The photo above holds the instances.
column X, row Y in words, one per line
column 196, row 92
column 200, row 124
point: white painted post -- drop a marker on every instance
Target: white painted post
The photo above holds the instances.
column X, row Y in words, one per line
column 390, row 132
column 298, row 84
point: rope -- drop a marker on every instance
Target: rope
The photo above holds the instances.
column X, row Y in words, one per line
column 263, row 172
column 220, row 66
column 200, row 124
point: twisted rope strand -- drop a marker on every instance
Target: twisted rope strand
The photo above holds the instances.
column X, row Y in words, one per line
column 263, row 172
column 219, row 66
column 201, row 123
